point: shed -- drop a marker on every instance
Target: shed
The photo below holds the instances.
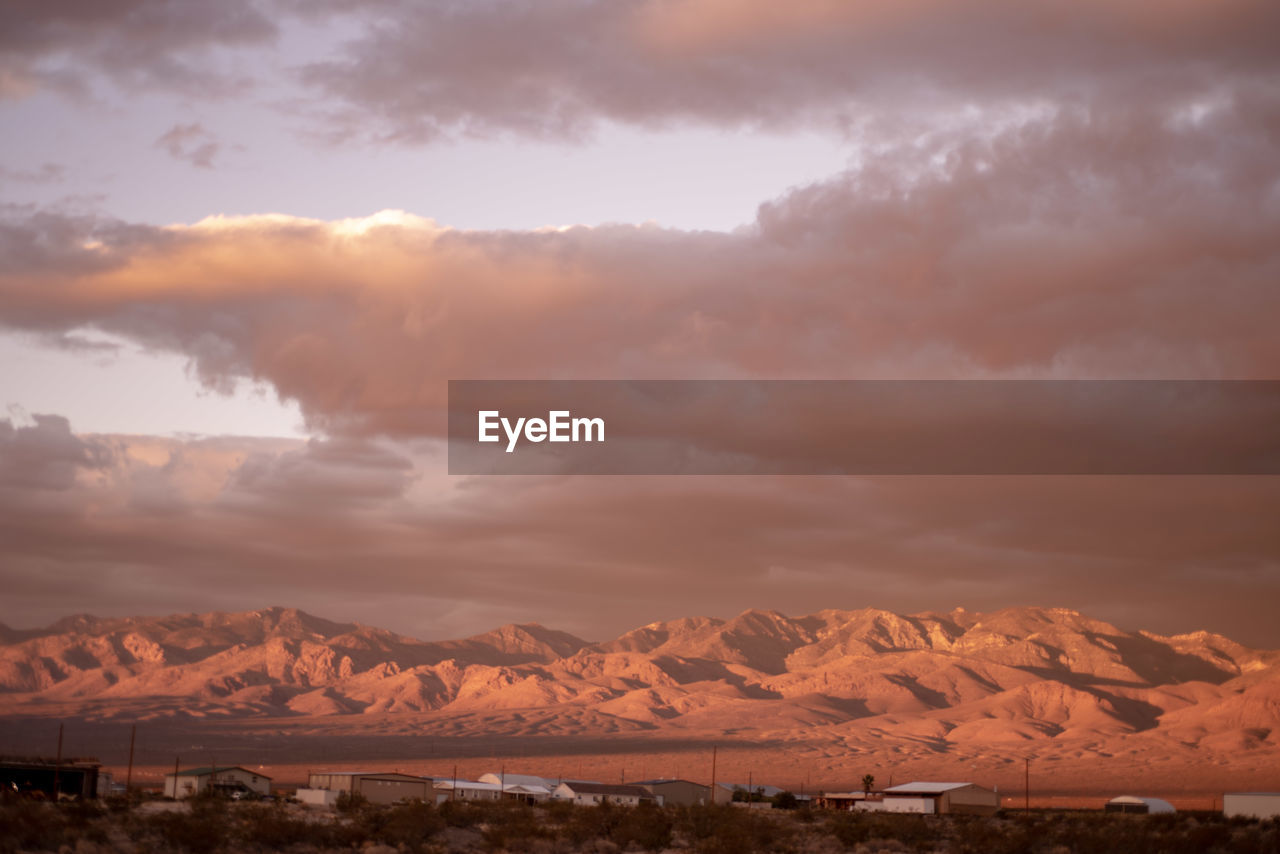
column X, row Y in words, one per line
column 43, row 776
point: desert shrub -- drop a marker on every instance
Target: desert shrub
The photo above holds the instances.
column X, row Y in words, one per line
column 512, row 825
column 558, row 811
column 973, row 835
column 593, row 822
column 785, row 801
column 645, row 826
column 463, row 813
column 730, row 830
column 274, row 827
column 350, row 802
column 913, row 831
column 200, row 830
column 31, row 825
column 410, row 824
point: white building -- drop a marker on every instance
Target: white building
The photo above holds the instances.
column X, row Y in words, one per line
column 1251, row 804
column 466, row 790
column 589, row 794
column 224, row 778
column 1129, row 803
column 523, row 787
column 376, row 787
column 936, row 799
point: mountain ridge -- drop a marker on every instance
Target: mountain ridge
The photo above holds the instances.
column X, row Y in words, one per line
column 999, row 679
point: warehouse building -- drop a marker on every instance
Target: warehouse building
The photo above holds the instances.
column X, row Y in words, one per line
column 937, row 799
column 1262, row 805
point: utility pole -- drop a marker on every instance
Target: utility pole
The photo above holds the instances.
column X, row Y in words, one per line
column 128, row 775
column 713, row 773
column 1026, row 805
column 57, row 766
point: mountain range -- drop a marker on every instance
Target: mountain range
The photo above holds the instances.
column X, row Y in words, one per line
column 924, row 682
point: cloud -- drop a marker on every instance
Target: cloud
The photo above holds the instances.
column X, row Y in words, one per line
column 1077, row 247
column 559, row 67
column 46, row 455
column 190, row 143
column 376, row 532
column 48, row 173
column 137, row 44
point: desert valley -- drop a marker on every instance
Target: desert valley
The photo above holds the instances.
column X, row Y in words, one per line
column 809, row 703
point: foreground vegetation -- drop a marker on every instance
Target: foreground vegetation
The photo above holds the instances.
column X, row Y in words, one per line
column 209, row 826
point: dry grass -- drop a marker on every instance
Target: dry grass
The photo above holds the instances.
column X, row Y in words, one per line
column 207, row 826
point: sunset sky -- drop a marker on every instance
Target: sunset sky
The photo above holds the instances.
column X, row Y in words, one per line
column 245, row 245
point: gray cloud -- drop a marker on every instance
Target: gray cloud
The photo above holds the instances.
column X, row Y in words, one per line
column 137, row 44
column 352, row 529
column 191, row 143
column 45, row 455
column 557, row 68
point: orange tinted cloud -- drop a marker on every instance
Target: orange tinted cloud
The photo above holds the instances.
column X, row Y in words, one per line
column 1086, row 248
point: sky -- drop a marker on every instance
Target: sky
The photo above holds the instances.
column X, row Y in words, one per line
column 245, row 245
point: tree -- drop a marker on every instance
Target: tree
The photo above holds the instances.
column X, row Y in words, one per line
column 868, row 783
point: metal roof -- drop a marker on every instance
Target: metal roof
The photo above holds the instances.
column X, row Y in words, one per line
column 607, row 789
column 922, row 788
column 206, row 770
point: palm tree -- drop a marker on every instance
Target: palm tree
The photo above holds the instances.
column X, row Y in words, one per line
column 868, row 782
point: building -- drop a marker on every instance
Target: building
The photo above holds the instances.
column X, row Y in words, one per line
column 448, row 789
column 40, row 777
column 1251, row 804
column 936, row 799
column 726, row 792
column 681, row 792
column 225, row 779
column 846, row 801
column 1128, row 803
column 376, row 787
column 587, row 794
column 522, row 787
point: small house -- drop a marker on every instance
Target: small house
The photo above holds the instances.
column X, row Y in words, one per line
column 224, row 779
column 587, row 794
